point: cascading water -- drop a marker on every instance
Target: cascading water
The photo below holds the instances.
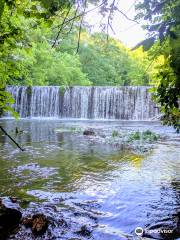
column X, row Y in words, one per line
column 21, row 101
column 124, row 103
column 45, row 102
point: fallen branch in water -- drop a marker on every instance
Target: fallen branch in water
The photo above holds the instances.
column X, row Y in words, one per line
column 4, row 131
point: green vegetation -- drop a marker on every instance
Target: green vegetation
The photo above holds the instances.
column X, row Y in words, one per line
column 115, row 133
column 163, row 22
column 110, row 63
column 20, row 22
column 5, row 100
column 147, row 136
column 98, row 62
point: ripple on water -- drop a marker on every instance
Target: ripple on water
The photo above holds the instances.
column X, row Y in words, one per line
column 36, row 168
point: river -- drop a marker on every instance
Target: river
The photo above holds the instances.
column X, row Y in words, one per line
column 84, row 181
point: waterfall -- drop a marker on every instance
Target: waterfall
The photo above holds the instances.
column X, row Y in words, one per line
column 45, row 102
column 124, row 103
column 21, row 103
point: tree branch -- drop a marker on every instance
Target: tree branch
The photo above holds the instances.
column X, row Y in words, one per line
column 80, row 27
column 4, row 131
column 84, row 13
column 127, row 16
column 63, row 23
column 109, row 18
column 73, row 21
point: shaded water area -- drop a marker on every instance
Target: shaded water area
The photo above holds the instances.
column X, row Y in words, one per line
column 85, row 181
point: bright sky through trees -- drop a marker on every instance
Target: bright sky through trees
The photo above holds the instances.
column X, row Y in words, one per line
column 129, row 32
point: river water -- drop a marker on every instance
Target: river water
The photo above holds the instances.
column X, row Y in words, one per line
column 85, row 182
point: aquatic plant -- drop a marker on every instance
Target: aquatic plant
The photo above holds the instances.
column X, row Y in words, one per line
column 143, row 136
column 115, row 133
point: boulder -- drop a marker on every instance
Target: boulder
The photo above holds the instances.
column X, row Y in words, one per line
column 89, row 132
column 10, row 214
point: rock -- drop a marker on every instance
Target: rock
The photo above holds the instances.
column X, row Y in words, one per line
column 10, row 216
column 17, row 130
column 13, row 199
column 84, row 231
column 38, row 223
column 89, row 132
column 27, row 222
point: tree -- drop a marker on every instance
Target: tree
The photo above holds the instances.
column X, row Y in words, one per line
column 43, row 65
column 16, row 18
column 108, row 62
column 163, row 22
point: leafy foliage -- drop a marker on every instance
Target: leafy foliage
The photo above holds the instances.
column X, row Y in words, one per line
column 16, row 19
column 45, row 66
column 109, row 62
column 163, row 22
column 5, row 100
column 147, row 136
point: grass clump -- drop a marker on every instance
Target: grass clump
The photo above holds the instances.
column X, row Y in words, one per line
column 148, row 135
column 144, row 136
column 134, row 136
column 115, row 133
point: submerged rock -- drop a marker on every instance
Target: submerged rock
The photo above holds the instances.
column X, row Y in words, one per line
column 84, row 231
column 18, row 131
column 38, row 223
column 89, row 132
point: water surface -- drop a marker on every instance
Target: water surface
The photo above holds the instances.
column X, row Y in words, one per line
column 71, row 176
